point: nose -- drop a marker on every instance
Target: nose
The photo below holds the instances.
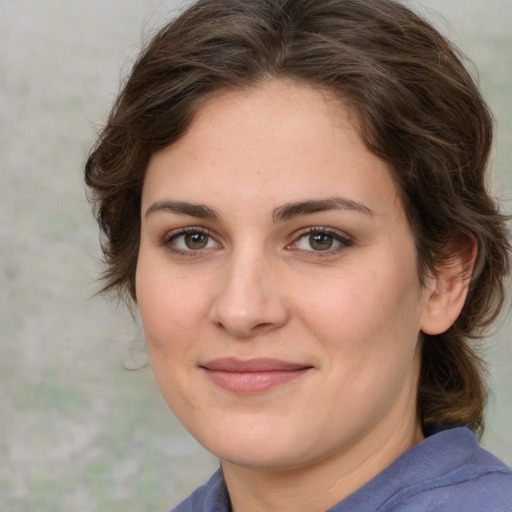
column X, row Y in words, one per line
column 249, row 300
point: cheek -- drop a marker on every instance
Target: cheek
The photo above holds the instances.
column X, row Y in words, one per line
column 169, row 311
column 365, row 312
column 169, row 316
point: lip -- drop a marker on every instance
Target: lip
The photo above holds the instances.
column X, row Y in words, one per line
column 248, row 376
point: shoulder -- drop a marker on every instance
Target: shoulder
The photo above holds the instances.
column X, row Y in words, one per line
column 210, row 497
column 477, row 482
column 448, row 471
column 461, row 475
column 488, row 490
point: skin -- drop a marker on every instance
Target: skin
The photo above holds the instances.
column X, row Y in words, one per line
column 247, row 280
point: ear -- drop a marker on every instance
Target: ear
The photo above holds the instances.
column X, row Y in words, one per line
column 449, row 287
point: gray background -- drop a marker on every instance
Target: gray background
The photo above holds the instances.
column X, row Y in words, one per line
column 79, row 432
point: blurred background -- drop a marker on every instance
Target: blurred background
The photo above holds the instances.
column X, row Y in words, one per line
column 80, row 431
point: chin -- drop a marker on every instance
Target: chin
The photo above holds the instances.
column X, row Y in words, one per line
column 260, row 458
column 253, row 446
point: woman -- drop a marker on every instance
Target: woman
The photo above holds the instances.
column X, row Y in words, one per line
column 293, row 194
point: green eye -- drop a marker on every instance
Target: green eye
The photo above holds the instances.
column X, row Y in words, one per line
column 321, row 241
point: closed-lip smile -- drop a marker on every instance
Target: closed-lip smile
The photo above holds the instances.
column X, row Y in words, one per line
column 249, row 376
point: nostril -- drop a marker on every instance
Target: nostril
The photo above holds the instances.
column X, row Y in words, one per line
column 243, row 329
column 262, row 327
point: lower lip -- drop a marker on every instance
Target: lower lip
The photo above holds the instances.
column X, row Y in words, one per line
column 253, row 382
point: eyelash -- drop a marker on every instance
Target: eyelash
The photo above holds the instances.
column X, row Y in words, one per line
column 169, row 238
column 343, row 241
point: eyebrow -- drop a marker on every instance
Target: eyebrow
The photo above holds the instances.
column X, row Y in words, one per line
column 183, row 208
column 283, row 213
column 291, row 210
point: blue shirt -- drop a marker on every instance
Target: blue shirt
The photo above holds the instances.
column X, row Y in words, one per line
column 448, row 472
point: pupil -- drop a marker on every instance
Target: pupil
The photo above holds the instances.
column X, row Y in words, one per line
column 320, row 241
column 196, row 241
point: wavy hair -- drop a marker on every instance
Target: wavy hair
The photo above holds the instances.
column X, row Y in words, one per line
column 417, row 108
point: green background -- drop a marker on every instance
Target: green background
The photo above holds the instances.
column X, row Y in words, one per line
column 78, row 430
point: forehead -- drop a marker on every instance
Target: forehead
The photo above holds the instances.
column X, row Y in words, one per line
column 279, row 142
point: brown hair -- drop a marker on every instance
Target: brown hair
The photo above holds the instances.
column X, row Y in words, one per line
column 417, row 108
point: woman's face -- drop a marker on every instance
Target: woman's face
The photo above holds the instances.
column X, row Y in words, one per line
column 277, row 283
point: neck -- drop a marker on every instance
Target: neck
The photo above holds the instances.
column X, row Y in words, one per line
column 318, row 486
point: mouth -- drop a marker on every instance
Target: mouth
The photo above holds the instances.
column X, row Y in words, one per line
column 253, row 375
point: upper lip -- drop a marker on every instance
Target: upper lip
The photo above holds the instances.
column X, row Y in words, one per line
column 259, row 364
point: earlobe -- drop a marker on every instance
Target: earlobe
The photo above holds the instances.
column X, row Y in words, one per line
column 449, row 287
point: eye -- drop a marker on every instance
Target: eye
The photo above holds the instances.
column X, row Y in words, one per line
column 320, row 240
column 190, row 240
